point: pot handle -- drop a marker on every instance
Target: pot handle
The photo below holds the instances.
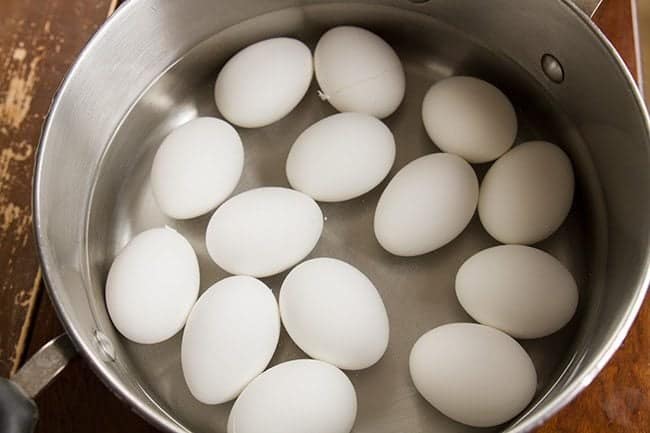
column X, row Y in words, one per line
column 18, row 411
column 588, row 6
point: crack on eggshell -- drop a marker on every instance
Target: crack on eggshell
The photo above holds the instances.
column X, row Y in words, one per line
column 359, row 82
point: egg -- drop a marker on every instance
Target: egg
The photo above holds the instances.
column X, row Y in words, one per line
column 229, row 339
column 474, row 374
column 341, row 157
column 152, row 285
column 196, row 167
column 358, row 71
column 527, row 193
column 263, row 231
column 334, row 313
column 426, row 205
column 520, row 290
column 263, row 82
column 470, row 118
column 297, row 396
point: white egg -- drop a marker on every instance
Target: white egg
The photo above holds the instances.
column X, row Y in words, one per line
column 472, row 373
column 334, row 313
column 520, row 290
column 358, row 71
column 196, row 167
column 263, row 82
column 470, row 118
column 341, row 157
column 300, row 396
column 426, row 205
column 527, row 193
column 152, row 285
column 229, row 339
column 263, row 231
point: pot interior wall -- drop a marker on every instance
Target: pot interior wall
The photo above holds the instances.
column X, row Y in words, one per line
column 418, row 292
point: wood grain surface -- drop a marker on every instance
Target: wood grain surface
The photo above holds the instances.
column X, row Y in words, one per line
column 38, row 41
column 617, row 19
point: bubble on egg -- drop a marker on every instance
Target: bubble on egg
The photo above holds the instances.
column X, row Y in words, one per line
column 358, row 71
column 196, row 167
column 334, row 313
column 152, row 285
column 264, row 82
column 469, row 117
column 341, row 157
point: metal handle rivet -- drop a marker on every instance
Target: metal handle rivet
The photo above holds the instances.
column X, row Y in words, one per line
column 552, row 68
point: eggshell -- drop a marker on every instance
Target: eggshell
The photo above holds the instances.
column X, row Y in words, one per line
column 358, row 71
column 426, row 205
column 263, row 231
column 470, row 118
column 298, row 396
column 520, row 290
column 263, row 82
column 472, row 373
column 229, row 338
column 196, row 167
column 152, row 285
column 334, row 313
column 341, row 157
column 527, row 193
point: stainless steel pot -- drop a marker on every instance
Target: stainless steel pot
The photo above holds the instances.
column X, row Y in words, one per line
column 151, row 67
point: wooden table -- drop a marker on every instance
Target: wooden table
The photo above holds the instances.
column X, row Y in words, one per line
column 38, row 42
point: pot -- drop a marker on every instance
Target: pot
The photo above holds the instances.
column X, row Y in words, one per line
column 151, row 67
